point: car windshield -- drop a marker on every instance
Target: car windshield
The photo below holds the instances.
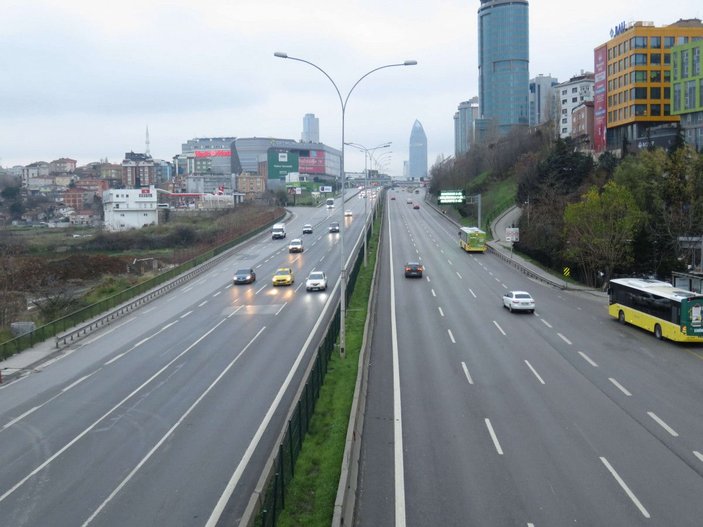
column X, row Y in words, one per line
column 243, row 271
column 316, row 276
column 283, row 271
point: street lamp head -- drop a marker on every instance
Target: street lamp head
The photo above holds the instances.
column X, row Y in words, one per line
column 280, row 55
column 410, row 63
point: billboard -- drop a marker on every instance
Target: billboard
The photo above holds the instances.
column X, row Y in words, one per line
column 281, row 163
column 600, row 93
column 313, row 163
column 213, row 153
column 447, row 197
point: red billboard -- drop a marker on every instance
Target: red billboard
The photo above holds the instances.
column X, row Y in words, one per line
column 600, row 93
column 312, row 164
column 213, row 153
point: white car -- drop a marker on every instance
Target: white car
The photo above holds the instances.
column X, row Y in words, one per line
column 317, row 281
column 295, row 246
column 307, row 229
column 519, row 301
column 347, row 214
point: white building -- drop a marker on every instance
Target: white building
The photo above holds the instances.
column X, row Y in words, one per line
column 541, row 99
column 570, row 94
column 311, row 129
column 130, row 208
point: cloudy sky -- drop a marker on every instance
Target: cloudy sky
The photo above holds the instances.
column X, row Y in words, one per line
column 84, row 78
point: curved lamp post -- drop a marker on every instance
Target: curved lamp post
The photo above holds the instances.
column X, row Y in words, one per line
column 343, row 103
column 368, row 152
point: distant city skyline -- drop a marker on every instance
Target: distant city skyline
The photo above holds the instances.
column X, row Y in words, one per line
column 59, row 100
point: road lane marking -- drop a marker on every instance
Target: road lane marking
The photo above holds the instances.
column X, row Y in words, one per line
column 75, row 383
column 168, row 434
column 450, row 262
column 663, row 424
column 433, row 293
column 588, row 359
column 500, row 328
column 472, row 293
column 428, row 278
column 466, row 372
column 184, row 315
column 260, row 289
column 564, row 339
column 120, row 355
column 201, row 304
column 698, row 455
column 451, row 336
column 216, row 294
column 546, row 323
column 619, row 386
column 107, row 414
column 457, row 273
column 441, row 313
column 493, row 437
column 534, row 371
column 624, row 486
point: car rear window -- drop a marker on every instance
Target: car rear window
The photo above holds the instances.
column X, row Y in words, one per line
column 522, row 295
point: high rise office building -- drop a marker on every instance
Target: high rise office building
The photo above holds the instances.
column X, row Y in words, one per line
column 464, row 118
column 503, row 63
column 417, row 155
column 311, row 129
column 542, row 101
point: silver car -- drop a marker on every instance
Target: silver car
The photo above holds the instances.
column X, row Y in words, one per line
column 317, row 281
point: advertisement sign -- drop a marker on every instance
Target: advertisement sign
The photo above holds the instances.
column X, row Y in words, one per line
column 600, row 107
column 213, row 153
column 325, row 189
column 313, row 163
column 512, row 234
column 281, row 163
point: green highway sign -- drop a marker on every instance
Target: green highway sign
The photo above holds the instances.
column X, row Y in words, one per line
column 447, row 197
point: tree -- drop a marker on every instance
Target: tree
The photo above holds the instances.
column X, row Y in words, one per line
column 599, row 229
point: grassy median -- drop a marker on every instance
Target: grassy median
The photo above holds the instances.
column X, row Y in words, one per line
column 310, row 495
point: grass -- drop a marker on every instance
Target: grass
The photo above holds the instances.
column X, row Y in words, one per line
column 311, row 494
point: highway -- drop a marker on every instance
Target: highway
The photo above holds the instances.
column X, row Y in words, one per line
column 166, row 417
column 478, row 416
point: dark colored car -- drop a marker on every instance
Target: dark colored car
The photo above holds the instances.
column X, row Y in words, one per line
column 414, row 270
column 244, row 276
column 334, row 227
column 416, row 206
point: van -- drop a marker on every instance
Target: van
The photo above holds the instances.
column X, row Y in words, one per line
column 330, row 203
column 278, row 231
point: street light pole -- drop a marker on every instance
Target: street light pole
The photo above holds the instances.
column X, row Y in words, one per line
column 367, row 153
column 343, row 104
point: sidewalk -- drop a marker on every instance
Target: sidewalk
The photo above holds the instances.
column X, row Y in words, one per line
column 25, row 362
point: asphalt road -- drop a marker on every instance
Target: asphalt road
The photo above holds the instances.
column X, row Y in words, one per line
column 166, row 417
column 476, row 416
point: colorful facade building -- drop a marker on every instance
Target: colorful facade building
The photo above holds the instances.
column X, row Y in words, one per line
column 633, row 77
column 687, row 90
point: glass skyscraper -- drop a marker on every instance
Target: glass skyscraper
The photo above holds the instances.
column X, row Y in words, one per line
column 503, row 63
column 417, row 155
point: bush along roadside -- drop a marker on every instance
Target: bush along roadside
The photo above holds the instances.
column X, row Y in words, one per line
column 310, row 496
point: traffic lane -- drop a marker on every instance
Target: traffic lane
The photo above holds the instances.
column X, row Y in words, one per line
column 376, row 500
column 510, row 323
column 659, row 382
column 526, row 370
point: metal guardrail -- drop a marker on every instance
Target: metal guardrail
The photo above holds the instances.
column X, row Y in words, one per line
column 526, row 270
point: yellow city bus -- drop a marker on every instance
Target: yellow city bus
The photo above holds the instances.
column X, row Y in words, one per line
column 659, row 307
column 472, row 239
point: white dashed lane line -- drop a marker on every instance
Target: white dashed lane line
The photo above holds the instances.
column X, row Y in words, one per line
column 619, row 387
column 459, row 275
column 184, row 315
column 472, row 293
column 500, row 328
column 588, row 359
column 451, row 336
column 562, row 337
column 534, row 371
column 433, row 293
column 493, row 436
column 466, row 372
column 201, row 304
column 546, row 323
column 624, row 486
column 663, row 424
column 441, row 313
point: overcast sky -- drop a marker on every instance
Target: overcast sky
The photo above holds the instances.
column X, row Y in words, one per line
column 84, row 78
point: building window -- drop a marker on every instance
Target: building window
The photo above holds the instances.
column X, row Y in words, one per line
column 574, row 90
column 654, row 110
column 638, row 93
column 564, row 120
column 667, row 109
column 690, row 98
column 638, row 42
column 563, row 92
column 574, row 99
column 696, row 62
column 700, row 94
column 677, row 97
column 655, row 42
column 655, row 93
column 667, row 92
column 684, row 64
column 655, row 59
column 564, row 111
column 640, row 109
column 655, row 76
column 667, row 59
column 667, row 76
column 564, row 101
column 682, row 40
column 638, row 59
column 668, row 42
